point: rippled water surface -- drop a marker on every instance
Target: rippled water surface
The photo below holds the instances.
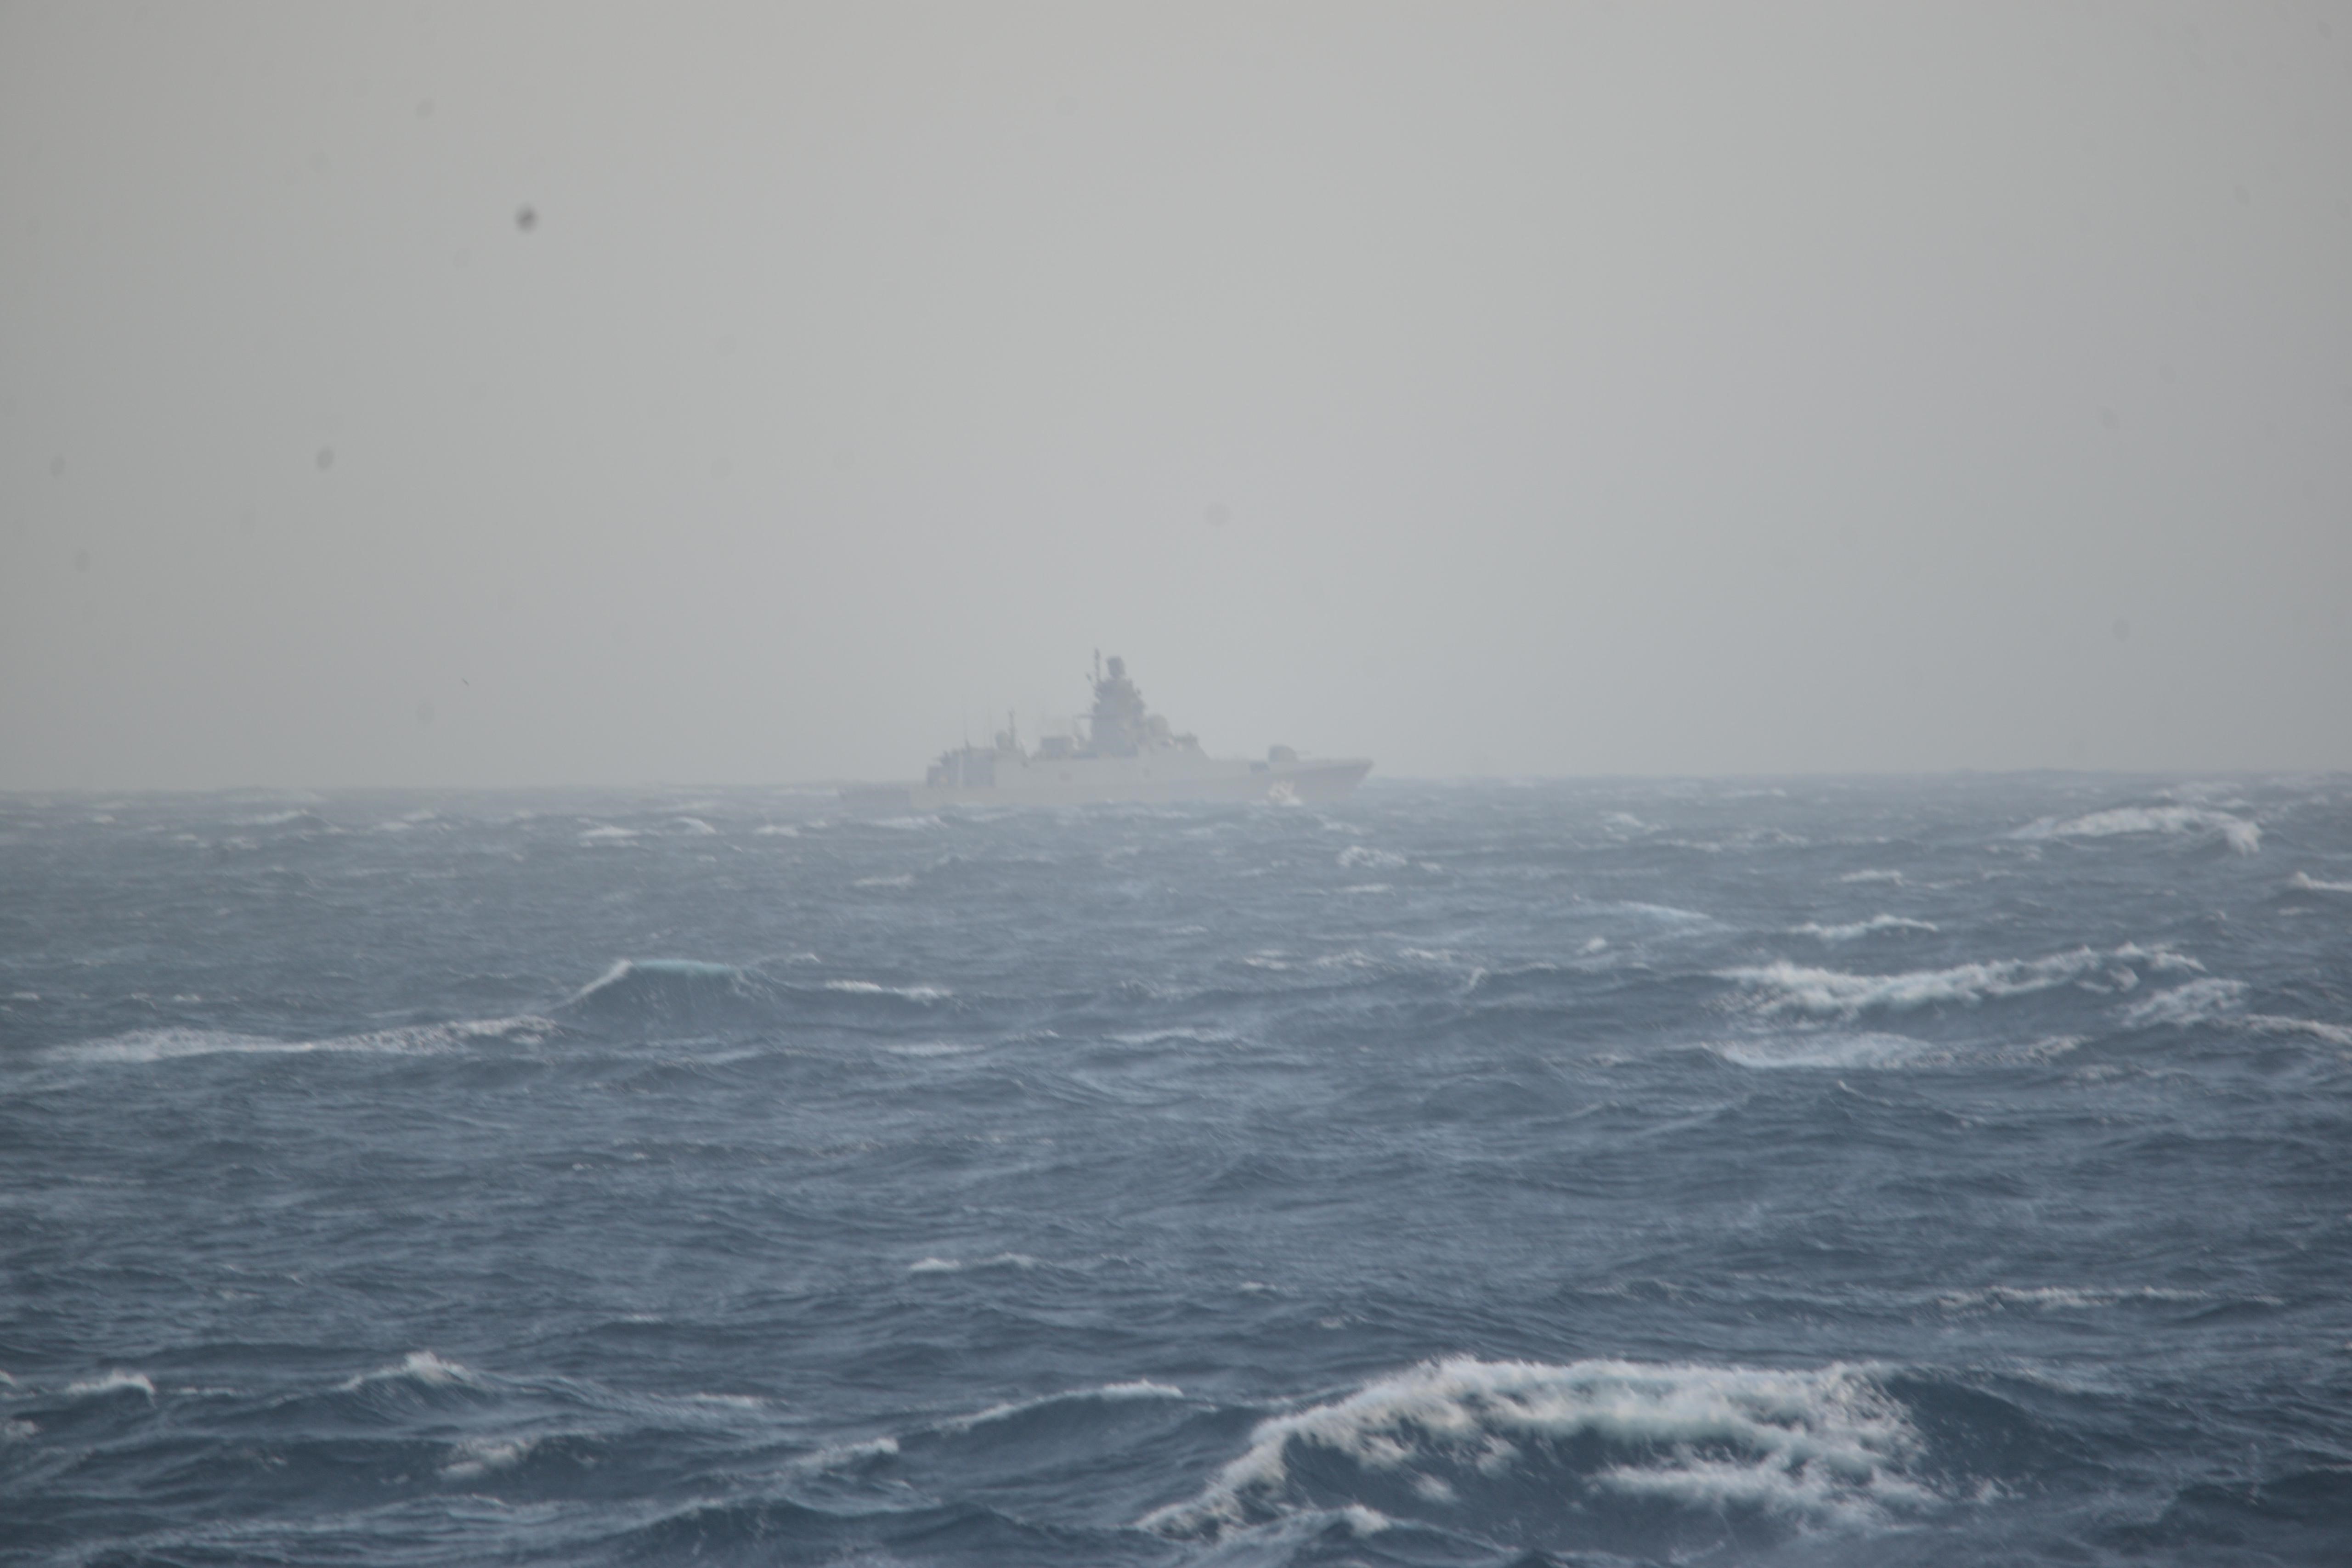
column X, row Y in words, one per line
column 1944, row 1172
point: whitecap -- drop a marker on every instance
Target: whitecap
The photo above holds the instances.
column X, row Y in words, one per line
column 1364, row 855
column 839, row 1454
column 1797, row 988
column 695, row 826
column 873, row 989
column 605, row 833
column 1812, row 1447
column 1892, row 878
column 2198, row 1001
column 2310, row 884
column 958, row 1265
column 479, row 1456
column 147, row 1046
column 416, row 1366
column 776, row 831
column 2069, row 1298
column 905, row 879
column 1140, row 1388
column 623, row 970
column 2271, row 1023
column 1191, row 1033
column 1834, row 1050
column 114, row 1382
column 1667, row 913
column 2240, row 833
column 1859, row 929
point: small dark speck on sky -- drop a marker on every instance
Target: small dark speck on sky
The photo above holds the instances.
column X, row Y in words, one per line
column 525, row 217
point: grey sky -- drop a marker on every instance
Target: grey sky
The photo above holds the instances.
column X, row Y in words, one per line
column 1551, row 388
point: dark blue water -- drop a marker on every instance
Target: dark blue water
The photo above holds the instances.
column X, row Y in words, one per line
column 1947, row 1172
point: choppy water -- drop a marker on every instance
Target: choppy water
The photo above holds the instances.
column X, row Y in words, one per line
column 1886, row 1173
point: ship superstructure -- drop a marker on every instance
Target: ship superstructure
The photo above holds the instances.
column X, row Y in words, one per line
column 1126, row 753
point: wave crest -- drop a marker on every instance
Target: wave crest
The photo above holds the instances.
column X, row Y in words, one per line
column 145, row 1046
column 1803, row 1447
column 2240, row 833
column 1871, row 926
column 1785, row 987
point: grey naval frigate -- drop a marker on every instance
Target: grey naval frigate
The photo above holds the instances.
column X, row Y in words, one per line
column 1126, row 754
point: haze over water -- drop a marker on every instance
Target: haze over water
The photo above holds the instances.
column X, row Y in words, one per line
column 549, row 394
column 1826, row 1037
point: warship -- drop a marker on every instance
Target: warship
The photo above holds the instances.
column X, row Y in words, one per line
column 1127, row 754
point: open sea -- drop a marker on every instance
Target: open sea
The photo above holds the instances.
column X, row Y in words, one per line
column 1798, row 1171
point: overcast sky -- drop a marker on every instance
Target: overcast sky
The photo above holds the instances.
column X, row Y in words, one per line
column 511, row 394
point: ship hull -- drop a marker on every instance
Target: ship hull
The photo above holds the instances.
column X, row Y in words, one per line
column 1095, row 781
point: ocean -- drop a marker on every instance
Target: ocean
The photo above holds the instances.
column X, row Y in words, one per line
column 1804, row 1171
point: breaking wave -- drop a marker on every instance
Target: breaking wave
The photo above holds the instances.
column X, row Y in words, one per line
column 1797, row 1450
column 417, row 1366
column 2240, row 833
column 672, row 995
column 1784, row 987
column 876, row 988
column 2198, row 1001
column 1866, row 1049
column 2271, row 1023
column 115, row 1382
column 1871, row 926
column 151, row 1045
column 959, row 1265
column 1141, row 1388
